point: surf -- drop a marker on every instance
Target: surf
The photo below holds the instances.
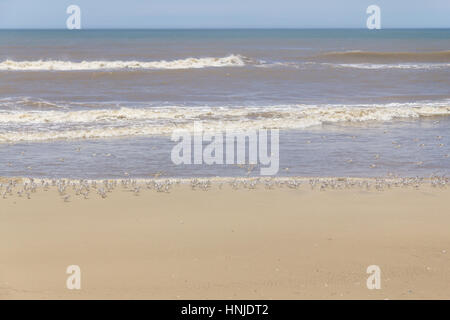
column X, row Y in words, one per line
column 232, row 60
column 387, row 57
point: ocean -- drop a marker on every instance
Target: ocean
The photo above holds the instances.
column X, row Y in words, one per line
column 103, row 103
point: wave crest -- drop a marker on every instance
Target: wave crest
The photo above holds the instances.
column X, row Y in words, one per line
column 59, row 65
column 21, row 125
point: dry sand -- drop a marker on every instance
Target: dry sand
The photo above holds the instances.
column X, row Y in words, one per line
column 227, row 244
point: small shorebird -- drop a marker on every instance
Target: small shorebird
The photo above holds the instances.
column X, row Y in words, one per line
column 102, row 193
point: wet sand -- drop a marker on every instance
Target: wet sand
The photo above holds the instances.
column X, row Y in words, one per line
column 229, row 242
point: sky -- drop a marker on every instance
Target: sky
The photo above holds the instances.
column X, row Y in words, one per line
column 224, row 13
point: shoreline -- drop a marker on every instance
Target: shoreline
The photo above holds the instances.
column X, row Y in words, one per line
column 20, row 187
column 186, row 180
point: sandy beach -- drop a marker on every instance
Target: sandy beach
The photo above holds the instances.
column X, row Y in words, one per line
column 226, row 241
column 266, row 150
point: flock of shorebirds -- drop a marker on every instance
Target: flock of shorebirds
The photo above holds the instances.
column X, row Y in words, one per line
column 84, row 189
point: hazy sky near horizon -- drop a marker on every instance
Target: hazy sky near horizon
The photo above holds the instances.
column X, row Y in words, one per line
column 224, row 13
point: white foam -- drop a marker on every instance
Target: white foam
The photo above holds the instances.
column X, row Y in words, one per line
column 368, row 66
column 21, row 125
column 375, row 66
column 58, row 65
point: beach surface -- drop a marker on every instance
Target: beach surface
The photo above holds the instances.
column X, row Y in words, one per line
column 227, row 242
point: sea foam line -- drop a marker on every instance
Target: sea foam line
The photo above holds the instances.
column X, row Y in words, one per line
column 59, row 65
column 385, row 57
column 374, row 66
column 326, row 112
column 110, row 123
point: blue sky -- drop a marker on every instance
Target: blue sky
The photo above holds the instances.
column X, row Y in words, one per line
column 225, row 13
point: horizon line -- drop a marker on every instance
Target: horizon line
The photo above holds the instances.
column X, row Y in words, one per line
column 229, row 28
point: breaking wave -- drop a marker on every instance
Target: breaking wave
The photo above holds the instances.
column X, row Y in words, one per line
column 59, row 65
column 26, row 125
